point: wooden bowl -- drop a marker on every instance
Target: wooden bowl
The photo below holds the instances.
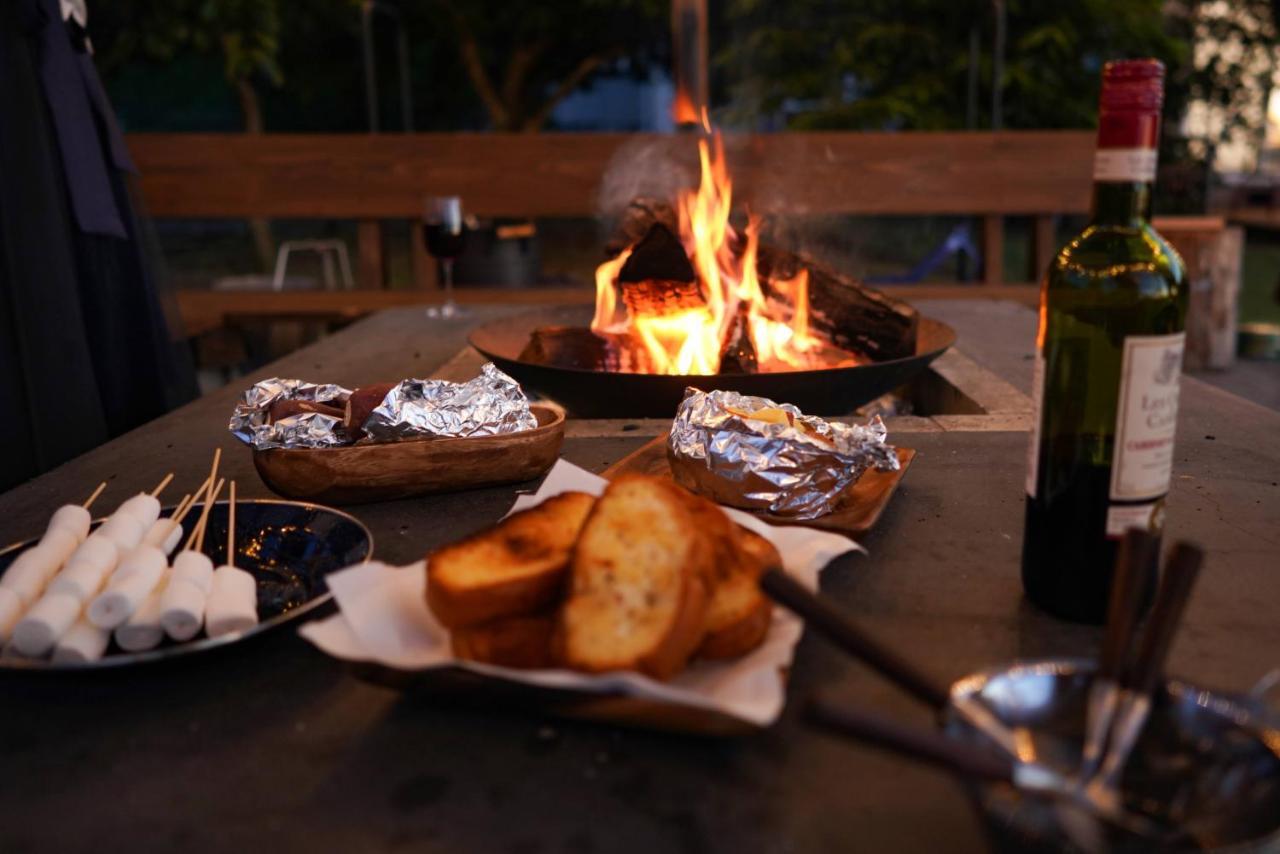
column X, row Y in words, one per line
column 383, row 471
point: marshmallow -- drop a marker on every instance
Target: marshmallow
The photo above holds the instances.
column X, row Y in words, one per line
column 145, row 559
column 182, row 605
column 233, row 602
column 11, row 608
column 81, row 644
column 46, row 622
column 29, row 573
column 142, row 630
column 88, row 568
column 125, row 530
column 62, row 543
column 126, row 592
column 143, row 507
column 164, row 534
column 71, row 518
column 194, row 568
column 182, row 610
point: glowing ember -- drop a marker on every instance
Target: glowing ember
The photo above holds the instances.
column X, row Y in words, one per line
column 692, row 340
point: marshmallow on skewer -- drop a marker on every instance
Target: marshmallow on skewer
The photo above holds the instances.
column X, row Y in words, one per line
column 142, row 631
column 11, row 608
column 45, row 623
column 87, row 568
column 166, row 534
column 233, row 602
column 233, row 598
column 81, row 644
column 143, row 507
column 182, row 603
column 75, row 518
column 62, row 544
column 28, row 573
column 124, row 529
column 72, row 518
column 128, row 587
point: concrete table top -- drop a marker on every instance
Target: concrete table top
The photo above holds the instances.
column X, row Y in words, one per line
column 269, row 745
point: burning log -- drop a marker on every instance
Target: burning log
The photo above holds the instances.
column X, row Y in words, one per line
column 657, row 277
column 845, row 312
column 739, row 354
column 579, row 347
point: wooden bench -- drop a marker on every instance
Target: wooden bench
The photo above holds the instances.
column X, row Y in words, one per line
column 368, row 178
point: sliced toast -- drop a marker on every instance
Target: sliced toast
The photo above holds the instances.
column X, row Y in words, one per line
column 521, row 642
column 638, row 587
column 739, row 613
column 513, row 569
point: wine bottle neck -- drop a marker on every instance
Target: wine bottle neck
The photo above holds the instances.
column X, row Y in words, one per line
column 1121, row 202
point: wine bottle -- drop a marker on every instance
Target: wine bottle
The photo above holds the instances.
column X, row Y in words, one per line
column 1113, row 307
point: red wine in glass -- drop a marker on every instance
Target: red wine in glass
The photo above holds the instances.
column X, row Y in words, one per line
column 445, row 235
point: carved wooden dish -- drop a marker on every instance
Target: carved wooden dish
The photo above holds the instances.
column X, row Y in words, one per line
column 384, row 471
column 859, row 507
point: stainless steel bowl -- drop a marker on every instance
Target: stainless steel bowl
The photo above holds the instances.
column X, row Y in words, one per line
column 1207, row 765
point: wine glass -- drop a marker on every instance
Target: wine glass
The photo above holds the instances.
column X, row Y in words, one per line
column 445, row 235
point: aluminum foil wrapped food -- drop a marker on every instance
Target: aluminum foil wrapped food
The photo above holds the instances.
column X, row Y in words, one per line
column 753, row 453
column 251, row 421
column 491, row 403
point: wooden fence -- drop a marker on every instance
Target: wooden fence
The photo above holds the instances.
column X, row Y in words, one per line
column 368, row 178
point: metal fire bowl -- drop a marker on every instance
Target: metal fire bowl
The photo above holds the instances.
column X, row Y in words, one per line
column 1206, row 763
column 600, row 394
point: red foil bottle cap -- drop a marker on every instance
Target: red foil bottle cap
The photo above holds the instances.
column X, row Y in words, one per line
column 1132, row 85
column 1129, row 106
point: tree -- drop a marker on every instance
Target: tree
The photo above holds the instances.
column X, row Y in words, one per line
column 880, row 64
column 524, row 58
column 243, row 34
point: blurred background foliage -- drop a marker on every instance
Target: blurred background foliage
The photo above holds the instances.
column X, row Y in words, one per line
column 177, row 65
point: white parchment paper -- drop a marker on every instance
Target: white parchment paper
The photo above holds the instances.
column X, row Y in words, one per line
column 383, row 617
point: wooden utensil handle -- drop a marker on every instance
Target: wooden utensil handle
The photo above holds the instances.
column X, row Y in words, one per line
column 1126, row 596
column 911, row 741
column 822, row 616
column 1171, row 602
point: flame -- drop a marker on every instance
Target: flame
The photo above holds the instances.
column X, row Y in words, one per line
column 682, row 109
column 691, row 340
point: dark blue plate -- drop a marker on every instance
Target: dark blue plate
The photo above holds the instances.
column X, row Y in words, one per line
column 288, row 546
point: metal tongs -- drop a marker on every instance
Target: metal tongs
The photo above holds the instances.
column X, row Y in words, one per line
column 1096, row 795
column 1131, row 667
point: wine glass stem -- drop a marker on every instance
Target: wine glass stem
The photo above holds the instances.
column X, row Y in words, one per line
column 446, row 265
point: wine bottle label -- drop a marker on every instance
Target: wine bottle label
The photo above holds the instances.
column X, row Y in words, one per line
column 1146, row 517
column 1146, row 416
column 1033, row 447
column 1124, row 164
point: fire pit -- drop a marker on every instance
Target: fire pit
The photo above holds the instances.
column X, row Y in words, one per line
column 687, row 299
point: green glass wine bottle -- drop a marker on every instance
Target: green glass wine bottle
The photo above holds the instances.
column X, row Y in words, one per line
column 1113, row 307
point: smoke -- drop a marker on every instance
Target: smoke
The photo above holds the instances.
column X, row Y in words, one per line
column 647, row 166
column 661, row 167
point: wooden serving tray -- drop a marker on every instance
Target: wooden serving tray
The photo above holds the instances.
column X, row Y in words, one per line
column 860, row 505
column 383, row 471
column 467, row 689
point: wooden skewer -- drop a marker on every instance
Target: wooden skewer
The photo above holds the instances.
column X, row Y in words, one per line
column 161, row 485
column 204, row 514
column 94, row 497
column 196, row 539
column 186, row 501
column 195, row 497
column 231, row 527
column 213, row 471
